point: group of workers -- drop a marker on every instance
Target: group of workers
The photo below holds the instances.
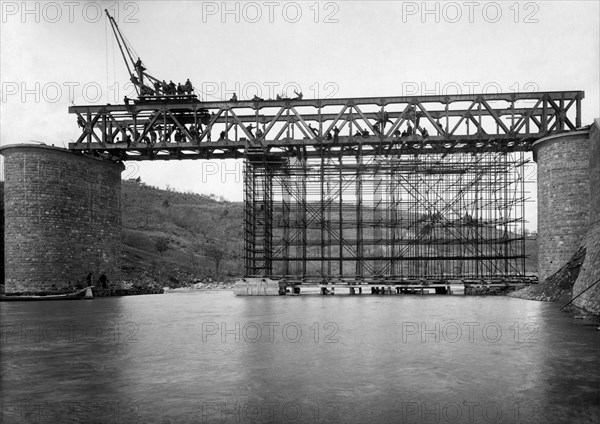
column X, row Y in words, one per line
column 161, row 88
column 172, row 89
column 365, row 133
column 151, row 136
column 164, row 89
column 299, row 96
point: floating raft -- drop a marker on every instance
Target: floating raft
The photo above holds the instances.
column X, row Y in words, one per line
column 258, row 286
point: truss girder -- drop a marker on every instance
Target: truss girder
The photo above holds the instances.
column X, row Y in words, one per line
column 154, row 130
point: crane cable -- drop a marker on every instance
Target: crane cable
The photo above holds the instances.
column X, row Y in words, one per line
column 110, row 40
column 106, row 51
column 131, row 50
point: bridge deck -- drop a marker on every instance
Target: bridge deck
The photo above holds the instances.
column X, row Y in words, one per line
column 191, row 129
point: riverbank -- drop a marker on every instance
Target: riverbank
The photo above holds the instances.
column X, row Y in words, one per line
column 557, row 287
column 205, row 284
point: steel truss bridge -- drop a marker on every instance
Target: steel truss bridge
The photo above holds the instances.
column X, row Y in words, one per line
column 367, row 189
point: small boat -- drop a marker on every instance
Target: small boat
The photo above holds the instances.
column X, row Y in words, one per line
column 85, row 293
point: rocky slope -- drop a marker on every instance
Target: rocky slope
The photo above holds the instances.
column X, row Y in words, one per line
column 559, row 285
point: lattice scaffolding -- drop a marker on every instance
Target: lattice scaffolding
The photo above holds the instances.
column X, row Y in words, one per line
column 392, row 216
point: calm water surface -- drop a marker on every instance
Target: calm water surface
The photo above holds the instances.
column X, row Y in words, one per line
column 213, row 357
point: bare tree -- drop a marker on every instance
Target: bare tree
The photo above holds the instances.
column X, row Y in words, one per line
column 161, row 244
column 216, row 253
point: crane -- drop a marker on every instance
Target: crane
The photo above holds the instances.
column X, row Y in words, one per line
column 148, row 87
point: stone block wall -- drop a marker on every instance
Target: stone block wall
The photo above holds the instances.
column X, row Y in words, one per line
column 595, row 171
column 589, row 274
column 563, row 198
column 590, row 270
column 1, row 237
column 62, row 219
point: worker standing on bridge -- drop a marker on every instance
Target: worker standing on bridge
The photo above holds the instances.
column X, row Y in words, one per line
column 189, row 88
column 409, row 130
column 194, row 132
column 234, row 98
column 178, row 136
column 376, row 129
column 172, row 87
column 384, row 118
column 336, row 134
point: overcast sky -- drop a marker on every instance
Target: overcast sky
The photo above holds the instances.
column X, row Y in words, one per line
column 55, row 53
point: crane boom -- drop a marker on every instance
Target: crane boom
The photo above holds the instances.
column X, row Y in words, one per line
column 147, row 86
column 119, row 38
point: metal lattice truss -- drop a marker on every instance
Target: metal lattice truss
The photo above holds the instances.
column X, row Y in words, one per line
column 392, row 217
column 178, row 127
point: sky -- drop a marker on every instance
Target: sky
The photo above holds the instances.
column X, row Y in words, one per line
column 54, row 54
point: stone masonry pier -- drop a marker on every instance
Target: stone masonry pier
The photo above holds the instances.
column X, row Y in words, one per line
column 62, row 219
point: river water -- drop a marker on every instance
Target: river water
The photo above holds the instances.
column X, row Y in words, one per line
column 213, row 357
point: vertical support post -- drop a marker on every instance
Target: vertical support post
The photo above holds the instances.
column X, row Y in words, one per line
column 303, row 196
column 394, row 223
column 249, row 219
column 104, row 125
column 578, row 111
column 359, row 216
column 285, row 212
column 322, row 214
column 544, row 115
column 89, row 131
column 377, row 243
column 267, row 208
column 341, row 214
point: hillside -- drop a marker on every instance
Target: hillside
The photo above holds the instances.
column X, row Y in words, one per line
column 177, row 238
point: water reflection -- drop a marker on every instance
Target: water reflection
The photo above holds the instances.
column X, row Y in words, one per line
column 213, row 357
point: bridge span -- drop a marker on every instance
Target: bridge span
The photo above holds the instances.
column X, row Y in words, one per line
column 182, row 127
column 395, row 188
column 393, row 191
